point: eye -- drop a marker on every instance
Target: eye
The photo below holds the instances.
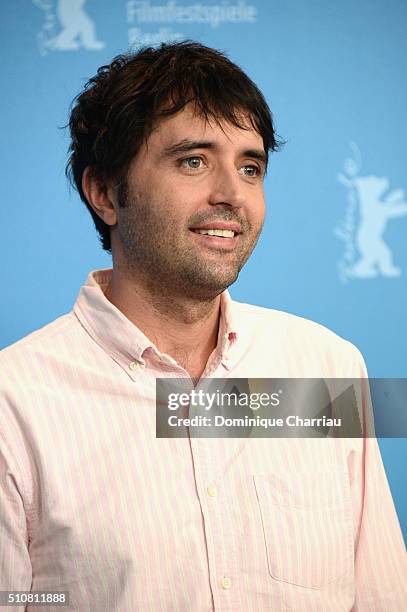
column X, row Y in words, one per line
column 251, row 171
column 191, row 163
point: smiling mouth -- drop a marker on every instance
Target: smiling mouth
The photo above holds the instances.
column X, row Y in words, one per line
column 221, row 233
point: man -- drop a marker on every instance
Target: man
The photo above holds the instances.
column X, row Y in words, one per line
column 169, row 150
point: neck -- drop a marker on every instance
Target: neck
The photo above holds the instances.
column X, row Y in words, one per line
column 184, row 327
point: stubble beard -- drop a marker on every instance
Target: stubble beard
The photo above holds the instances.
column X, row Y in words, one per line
column 167, row 264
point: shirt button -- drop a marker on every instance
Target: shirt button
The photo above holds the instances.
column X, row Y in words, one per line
column 134, row 365
column 212, row 491
column 226, row 583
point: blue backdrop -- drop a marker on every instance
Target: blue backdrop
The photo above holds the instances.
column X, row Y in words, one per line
column 334, row 73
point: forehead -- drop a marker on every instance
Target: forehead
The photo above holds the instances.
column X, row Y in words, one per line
column 192, row 125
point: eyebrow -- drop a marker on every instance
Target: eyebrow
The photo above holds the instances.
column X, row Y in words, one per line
column 185, row 145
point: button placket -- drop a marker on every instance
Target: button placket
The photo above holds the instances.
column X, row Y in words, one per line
column 226, row 582
column 208, row 461
column 212, row 491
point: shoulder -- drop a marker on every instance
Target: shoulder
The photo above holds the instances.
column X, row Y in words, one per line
column 295, row 337
column 46, row 335
column 40, row 346
column 271, row 321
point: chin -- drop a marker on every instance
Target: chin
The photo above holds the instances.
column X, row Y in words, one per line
column 216, row 285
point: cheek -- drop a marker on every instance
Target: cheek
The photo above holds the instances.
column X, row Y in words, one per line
column 258, row 211
column 171, row 196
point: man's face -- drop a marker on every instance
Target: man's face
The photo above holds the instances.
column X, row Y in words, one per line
column 190, row 178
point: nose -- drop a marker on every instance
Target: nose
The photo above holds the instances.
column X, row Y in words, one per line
column 227, row 188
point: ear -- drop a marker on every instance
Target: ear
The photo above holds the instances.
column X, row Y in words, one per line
column 100, row 197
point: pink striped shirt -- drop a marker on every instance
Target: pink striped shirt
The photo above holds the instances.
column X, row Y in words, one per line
column 94, row 504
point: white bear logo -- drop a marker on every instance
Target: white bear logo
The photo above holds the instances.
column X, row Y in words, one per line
column 78, row 30
column 375, row 211
column 370, row 197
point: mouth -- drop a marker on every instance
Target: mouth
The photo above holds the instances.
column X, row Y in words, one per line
column 220, row 239
column 220, row 233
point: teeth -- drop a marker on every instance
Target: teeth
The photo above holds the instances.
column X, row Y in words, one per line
column 216, row 232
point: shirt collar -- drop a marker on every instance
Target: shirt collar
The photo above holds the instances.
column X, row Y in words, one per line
column 121, row 338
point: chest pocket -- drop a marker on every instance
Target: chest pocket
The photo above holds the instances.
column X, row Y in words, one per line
column 307, row 524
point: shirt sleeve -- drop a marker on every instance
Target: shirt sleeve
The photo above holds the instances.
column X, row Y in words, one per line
column 380, row 554
column 380, row 560
column 15, row 565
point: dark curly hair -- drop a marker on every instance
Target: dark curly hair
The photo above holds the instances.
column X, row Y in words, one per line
column 122, row 103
